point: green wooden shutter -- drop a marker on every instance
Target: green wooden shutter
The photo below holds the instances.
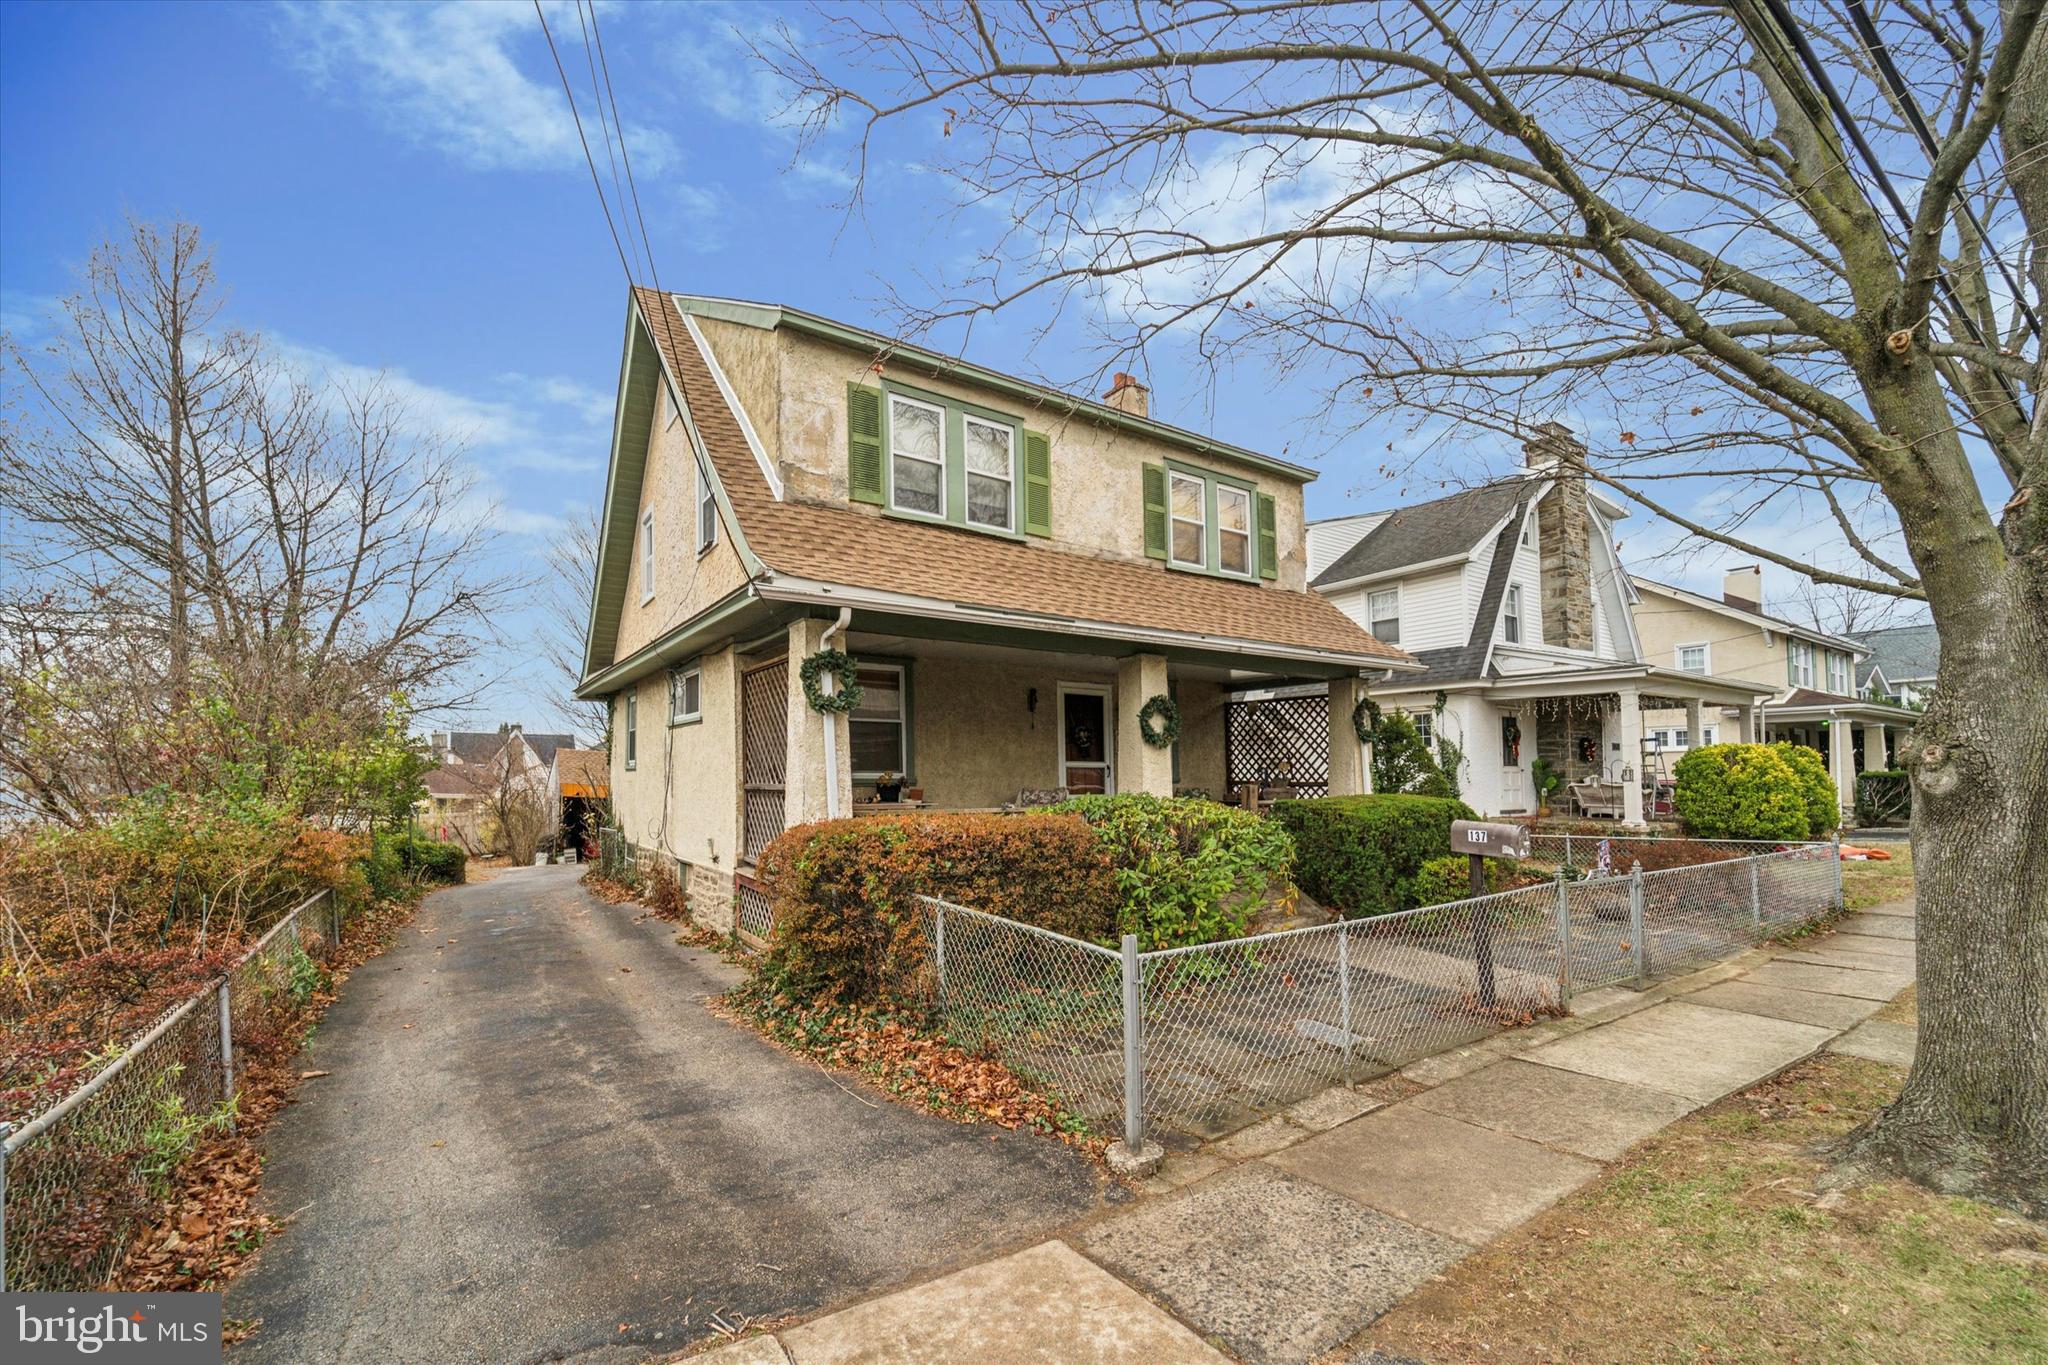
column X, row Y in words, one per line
column 1269, row 538
column 1791, row 665
column 1155, row 511
column 863, row 443
column 1037, row 484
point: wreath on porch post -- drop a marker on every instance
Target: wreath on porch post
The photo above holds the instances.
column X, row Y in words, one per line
column 1365, row 719
column 841, row 666
column 1161, row 709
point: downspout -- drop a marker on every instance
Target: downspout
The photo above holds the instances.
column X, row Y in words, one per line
column 825, row 718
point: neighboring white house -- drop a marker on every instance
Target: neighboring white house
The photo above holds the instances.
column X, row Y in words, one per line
column 1513, row 595
column 1902, row 664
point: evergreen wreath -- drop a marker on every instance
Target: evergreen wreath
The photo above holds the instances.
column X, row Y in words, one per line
column 840, row 665
column 1365, row 720
column 1161, row 709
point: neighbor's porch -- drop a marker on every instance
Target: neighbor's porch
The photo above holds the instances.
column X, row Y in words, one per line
column 1872, row 730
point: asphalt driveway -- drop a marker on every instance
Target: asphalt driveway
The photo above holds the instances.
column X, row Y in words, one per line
column 536, row 1144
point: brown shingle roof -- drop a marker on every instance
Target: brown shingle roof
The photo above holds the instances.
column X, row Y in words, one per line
column 839, row 545
column 582, row 768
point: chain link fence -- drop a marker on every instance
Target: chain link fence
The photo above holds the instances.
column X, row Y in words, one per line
column 78, row 1180
column 1204, row 1038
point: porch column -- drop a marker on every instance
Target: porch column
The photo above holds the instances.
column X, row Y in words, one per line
column 1874, row 758
column 1139, row 766
column 1348, row 774
column 804, row 772
column 1750, row 725
column 1693, row 731
column 1842, row 760
column 1631, row 770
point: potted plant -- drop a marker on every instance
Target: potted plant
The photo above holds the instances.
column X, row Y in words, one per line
column 889, row 787
column 1547, row 782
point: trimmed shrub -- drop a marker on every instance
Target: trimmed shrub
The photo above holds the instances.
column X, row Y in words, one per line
column 1449, row 878
column 432, row 859
column 1188, row 870
column 1742, row 791
column 1884, row 797
column 845, row 918
column 1360, row 854
column 1816, row 788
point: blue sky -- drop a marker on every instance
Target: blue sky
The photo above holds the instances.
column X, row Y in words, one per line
column 400, row 188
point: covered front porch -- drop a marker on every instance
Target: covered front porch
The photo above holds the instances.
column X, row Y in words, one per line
column 1872, row 730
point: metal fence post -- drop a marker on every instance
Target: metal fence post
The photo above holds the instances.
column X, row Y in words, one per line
column 227, row 1051
column 1564, row 942
column 1344, row 991
column 1637, row 938
column 333, row 918
column 1835, row 847
column 1134, row 1067
column 6, row 1131
column 939, row 950
column 1756, row 899
column 1568, row 849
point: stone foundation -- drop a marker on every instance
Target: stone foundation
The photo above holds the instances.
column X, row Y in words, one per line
column 709, row 890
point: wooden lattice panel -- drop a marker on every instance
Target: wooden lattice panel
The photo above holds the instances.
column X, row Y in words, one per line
column 1284, row 740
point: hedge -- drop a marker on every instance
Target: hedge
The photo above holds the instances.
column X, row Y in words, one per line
column 398, row 856
column 1449, row 878
column 1755, row 791
column 1188, row 870
column 843, row 892
column 1360, row 854
column 1884, row 797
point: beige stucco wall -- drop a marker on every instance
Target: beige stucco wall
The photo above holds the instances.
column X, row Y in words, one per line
column 684, row 581
column 793, row 387
column 1734, row 650
column 1201, row 736
column 696, row 764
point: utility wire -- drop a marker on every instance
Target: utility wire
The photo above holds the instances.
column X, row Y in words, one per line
column 624, row 154
column 588, row 160
column 604, row 127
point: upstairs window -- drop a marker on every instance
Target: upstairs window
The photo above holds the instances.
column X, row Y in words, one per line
column 1210, row 523
column 1511, row 617
column 1190, row 521
column 1383, row 615
column 991, row 473
column 647, row 555
column 917, row 456
column 1838, row 673
column 1692, row 658
column 685, row 695
column 1799, row 663
column 1233, row 529
column 707, row 511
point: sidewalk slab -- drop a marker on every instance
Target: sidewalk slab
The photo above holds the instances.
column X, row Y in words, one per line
column 1901, row 950
column 1451, row 1177
column 1882, row 926
column 1827, row 954
column 1046, row 1303
column 1880, row 1040
column 1582, row 1114
column 1832, row 980
column 750, row 1351
column 1896, row 909
column 1276, row 1268
column 1694, row 1051
column 1783, row 1002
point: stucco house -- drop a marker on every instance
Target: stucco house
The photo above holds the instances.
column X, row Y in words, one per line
column 1017, row 573
column 1901, row 664
column 1814, row 674
column 1513, row 596
column 474, row 771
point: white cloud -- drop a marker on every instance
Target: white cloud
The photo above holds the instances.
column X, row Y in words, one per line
column 471, row 78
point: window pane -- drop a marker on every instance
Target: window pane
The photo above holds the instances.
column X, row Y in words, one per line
column 1187, row 541
column 914, row 429
column 1187, row 498
column 917, row 486
column 693, row 691
column 1233, row 509
column 988, row 449
column 877, row 745
column 1236, row 551
column 881, row 694
column 1383, row 604
column 988, row 501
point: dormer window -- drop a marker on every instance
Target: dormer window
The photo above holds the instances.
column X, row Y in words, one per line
column 1234, row 529
column 1190, row 522
column 917, row 456
column 991, row 473
column 1511, row 615
column 1383, row 615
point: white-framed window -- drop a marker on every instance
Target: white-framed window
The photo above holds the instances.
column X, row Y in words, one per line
column 1425, row 726
column 686, row 695
column 1799, row 663
column 1707, row 733
column 631, row 726
column 707, row 511
column 878, row 730
column 1691, row 658
column 917, row 456
column 1682, row 738
column 1661, row 738
column 1838, row 673
column 1511, row 616
column 647, row 555
column 1383, row 615
column 991, row 473
column 1233, row 529
column 1188, row 529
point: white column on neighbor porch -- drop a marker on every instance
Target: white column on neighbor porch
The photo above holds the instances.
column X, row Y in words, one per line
column 1630, row 728
column 1750, row 725
column 1842, row 761
column 1693, row 721
column 804, row 776
column 1348, row 772
column 1139, row 766
column 1873, row 747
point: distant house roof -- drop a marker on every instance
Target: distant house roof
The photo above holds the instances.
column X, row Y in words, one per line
column 1738, row 607
column 449, row 782
column 582, row 772
column 1426, row 531
column 481, row 746
column 1903, row 653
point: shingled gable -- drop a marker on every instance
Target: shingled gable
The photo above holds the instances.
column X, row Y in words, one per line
column 1427, row 531
column 791, row 547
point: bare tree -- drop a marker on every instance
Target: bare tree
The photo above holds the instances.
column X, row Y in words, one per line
column 1798, row 254
column 193, row 519
column 564, row 592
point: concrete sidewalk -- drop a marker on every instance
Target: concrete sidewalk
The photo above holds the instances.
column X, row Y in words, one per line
column 1286, row 1239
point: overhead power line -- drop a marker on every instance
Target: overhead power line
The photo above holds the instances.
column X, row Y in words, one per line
column 604, row 127
column 624, row 155
column 588, row 159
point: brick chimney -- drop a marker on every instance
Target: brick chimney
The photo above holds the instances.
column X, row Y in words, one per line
column 439, row 742
column 1561, row 523
column 1126, row 394
column 1744, row 587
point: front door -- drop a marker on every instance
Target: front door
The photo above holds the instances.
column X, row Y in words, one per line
column 1085, row 740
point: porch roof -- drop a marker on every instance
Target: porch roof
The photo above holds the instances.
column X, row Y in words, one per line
column 1665, row 684
column 830, row 555
column 1807, row 704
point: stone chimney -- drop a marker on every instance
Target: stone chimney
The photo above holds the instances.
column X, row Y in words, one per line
column 1561, row 524
column 1126, row 394
column 439, row 741
column 1744, row 587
